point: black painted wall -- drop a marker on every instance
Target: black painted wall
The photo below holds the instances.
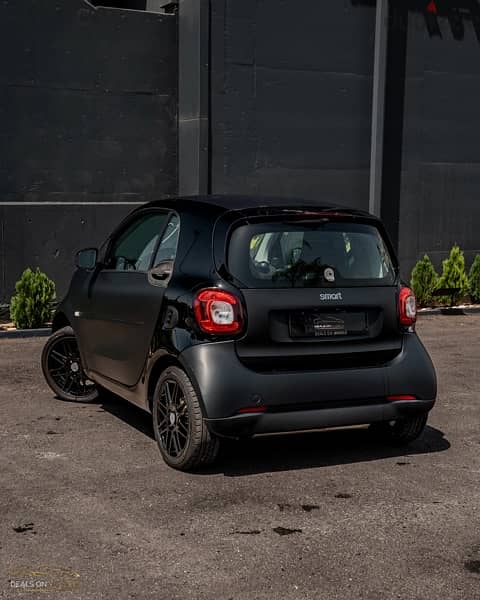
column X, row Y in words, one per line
column 440, row 176
column 291, row 98
column 88, row 119
column 291, row 91
column 88, row 101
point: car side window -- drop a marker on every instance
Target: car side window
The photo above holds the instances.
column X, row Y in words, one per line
column 167, row 248
column 134, row 249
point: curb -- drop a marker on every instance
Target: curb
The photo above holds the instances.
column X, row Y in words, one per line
column 25, row 333
column 438, row 311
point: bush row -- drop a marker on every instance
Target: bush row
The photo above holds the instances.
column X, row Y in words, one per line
column 31, row 306
column 425, row 280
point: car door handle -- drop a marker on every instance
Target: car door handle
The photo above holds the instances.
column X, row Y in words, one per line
column 162, row 271
column 160, row 275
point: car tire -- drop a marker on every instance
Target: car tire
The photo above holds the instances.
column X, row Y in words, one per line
column 63, row 370
column 402, row 431
column 182, row 436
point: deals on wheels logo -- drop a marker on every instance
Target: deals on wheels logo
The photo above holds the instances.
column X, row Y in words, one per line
column 43, row 579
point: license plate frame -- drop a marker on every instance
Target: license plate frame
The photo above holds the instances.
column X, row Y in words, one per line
column 316, row 324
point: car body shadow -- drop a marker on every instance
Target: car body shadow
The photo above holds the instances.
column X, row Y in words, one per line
column 293, row 451
column 128, row 413
column 316, row 449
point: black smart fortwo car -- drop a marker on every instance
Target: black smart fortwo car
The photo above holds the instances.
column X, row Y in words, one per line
column 235, row 316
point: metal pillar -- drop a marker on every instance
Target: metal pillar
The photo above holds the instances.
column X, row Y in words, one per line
column 193, row 96
column 378, row 106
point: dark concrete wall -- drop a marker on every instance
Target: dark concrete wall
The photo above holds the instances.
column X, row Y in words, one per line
column 88, row 101
column 48, row 236
column 291, row 114
column 291, row 98
column 88, row 119
column 440, row 184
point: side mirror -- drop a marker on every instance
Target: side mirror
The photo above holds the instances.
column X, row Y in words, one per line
column 86, row 259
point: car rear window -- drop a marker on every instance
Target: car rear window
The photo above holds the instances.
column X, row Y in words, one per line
column 317, row 254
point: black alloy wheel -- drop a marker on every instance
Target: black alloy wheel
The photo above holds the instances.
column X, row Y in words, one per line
column 173, row 419
column 182, row 436
column 62, row 368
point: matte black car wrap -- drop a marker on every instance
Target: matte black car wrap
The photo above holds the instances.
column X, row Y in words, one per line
column 297, row 351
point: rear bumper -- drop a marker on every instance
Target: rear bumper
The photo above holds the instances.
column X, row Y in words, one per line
column 306, row 399
column 252, row 424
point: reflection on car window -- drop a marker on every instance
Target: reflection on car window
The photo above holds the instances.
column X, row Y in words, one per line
column 134, row 249
column 334, row 253
column 168, row 246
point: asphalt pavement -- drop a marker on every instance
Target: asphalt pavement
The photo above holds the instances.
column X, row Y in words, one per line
column 89, row 510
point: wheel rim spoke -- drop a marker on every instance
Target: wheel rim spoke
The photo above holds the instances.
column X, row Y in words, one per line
column 68, row 387
column 182, row 438
column 170, row 441
column 182, row 424
column 57, row 370
column 168, row 393
column 176, row 389
column 61, row 358
column 163, row 412
column 176, row 444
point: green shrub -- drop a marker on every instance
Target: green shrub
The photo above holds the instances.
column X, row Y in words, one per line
column 30, row 307
column 474, row 279
column 453, row 274
column 424, row 280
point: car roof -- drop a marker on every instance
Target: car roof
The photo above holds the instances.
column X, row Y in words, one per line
column 220, row 203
